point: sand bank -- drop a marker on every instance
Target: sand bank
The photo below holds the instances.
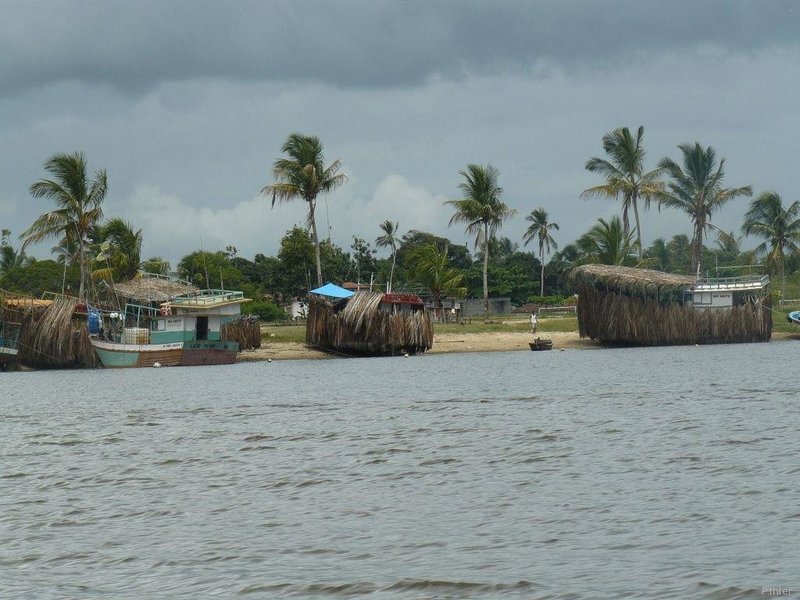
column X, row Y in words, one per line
column 443, row 343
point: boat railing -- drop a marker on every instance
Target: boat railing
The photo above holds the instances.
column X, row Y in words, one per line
column 147, row 275
column 206, row 297
column 743, row 282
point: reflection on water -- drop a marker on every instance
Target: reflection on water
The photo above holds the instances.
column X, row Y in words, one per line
column 665, row 472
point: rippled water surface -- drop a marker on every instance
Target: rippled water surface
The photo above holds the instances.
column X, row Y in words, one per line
column 628, row 473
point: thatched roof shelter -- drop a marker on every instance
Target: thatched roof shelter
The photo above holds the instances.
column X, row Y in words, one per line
column 149, row 288
column 54, row 337
column 623, row 305
column 629, row 280
column 370, row 323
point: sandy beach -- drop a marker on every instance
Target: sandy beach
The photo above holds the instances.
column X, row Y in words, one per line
column 443, row 343
column 448, row 343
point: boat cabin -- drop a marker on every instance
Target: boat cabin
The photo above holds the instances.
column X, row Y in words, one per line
column 726, row 292
column 196, row 316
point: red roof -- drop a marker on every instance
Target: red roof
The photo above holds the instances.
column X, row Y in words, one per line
column 401, row 298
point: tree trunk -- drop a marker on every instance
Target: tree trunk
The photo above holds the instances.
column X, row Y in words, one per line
column 313, row 220
column 486, row 271
column 541, row 265
column 82, row 264
column 391, row 273
column 638, row 227
column 783, row 281
column 697, row 249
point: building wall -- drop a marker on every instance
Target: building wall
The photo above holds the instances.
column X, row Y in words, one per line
column 473, row 307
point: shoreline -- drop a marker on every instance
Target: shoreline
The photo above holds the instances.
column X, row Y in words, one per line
column 448, row 343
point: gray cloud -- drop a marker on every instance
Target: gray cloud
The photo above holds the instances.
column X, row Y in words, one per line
column 138, row 44
column 186, row 105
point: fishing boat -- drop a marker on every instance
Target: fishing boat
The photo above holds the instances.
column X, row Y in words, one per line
column 541, row 343
column 794, row 317
column 9, row 342
column 182, row 331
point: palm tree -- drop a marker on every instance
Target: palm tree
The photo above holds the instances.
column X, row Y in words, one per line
column 120, row 251
column 431, row 268
column 157, row 265
column 625, row 176
column 482, row 211
column 608, row 243
column 304, row 175
column 696, row 188
column 9, row 258
column 780, row 228
column 540, row 228
column 501, row 249
column 389, row 238
column 78, row 206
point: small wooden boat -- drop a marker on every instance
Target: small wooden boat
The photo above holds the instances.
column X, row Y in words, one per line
column 541, row 344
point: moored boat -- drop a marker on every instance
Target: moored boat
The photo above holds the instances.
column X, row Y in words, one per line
column 182, row 331
column 540, row 343
column 9, row 342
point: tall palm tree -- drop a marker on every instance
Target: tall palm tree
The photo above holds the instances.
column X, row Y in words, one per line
column 431, row 269
column 482, row 211
column 78, row 202
column 304, row 175
column 120, row 251
column 540, row 228
column 780, row 227
column 625, row 176
column 390, row 239
column 696, row 188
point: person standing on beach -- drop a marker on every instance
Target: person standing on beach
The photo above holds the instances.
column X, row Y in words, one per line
column 534, row 322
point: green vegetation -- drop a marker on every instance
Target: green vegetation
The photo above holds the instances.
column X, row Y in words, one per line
column 89, row 249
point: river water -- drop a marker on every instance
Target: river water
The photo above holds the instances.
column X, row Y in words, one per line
column 617, row 473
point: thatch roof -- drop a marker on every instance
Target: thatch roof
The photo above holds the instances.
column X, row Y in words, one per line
column 152, row 289
column 362, row 327
column 628, row 280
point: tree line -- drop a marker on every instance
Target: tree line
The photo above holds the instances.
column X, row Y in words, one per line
column 90, row 249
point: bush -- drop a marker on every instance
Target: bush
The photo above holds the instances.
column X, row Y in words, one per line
column 266, row 311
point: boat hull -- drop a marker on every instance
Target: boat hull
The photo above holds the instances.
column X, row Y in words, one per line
column 540, row 344
column 118, row 355
column 7, row 356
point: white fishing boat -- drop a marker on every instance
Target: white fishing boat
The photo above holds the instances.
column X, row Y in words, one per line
column 182, row 331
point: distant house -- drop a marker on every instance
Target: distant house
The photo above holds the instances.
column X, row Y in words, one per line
column 473, row 307
column 297, row 309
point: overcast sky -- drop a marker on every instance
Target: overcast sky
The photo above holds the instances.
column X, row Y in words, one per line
column 187, row 103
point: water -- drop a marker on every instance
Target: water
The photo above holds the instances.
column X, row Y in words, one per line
column 641, row 473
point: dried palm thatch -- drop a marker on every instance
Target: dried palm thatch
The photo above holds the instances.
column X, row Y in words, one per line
column 364, row 324
column 620, row 305
column 629, row 280
column 149, row 288
column 53, row 339
column 245, row 330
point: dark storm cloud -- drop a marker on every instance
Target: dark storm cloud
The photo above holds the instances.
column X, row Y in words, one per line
column 137, row 44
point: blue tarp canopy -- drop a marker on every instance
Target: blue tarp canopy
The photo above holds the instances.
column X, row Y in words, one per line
column 332, row 291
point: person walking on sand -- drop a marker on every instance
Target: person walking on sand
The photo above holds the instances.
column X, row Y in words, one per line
column 534, row 322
